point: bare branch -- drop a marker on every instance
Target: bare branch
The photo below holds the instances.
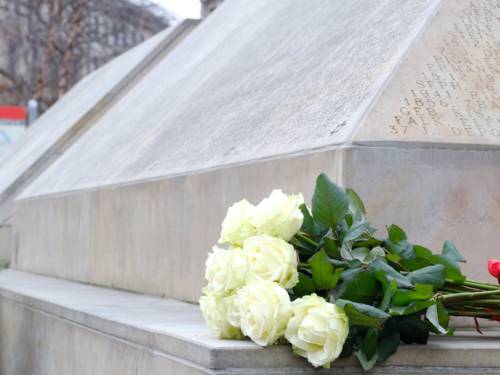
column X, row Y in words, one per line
column 48, row 45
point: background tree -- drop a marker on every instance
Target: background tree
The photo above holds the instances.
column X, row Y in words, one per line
column 46, row 46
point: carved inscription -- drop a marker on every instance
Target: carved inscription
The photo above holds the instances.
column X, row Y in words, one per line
column 457, row 94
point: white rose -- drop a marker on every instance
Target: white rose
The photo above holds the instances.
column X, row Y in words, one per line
column 317, row 330
column 214, row 308
column 272, row 259
column 279, row 215
column 226, row 270
column 237, row 225
column 232, row 304
column 264, row 311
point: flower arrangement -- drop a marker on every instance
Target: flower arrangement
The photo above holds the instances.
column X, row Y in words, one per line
column 321, row 280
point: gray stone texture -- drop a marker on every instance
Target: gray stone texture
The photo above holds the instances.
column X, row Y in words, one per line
column 52, row 326
column 447, row 90
column 148, row 236
column 128, row 187
column 257, row 79
column 72, row 116
column 252, row 100
column 63, row 119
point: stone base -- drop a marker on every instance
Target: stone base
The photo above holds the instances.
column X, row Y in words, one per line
column 146, row 236
column 6, row 244
column 52, row 326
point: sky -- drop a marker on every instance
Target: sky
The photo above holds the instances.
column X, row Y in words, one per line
column 182, row 8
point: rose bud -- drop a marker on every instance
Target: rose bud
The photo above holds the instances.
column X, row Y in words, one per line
column 494, row 268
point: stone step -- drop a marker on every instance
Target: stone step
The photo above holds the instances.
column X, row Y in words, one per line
column 54, row 326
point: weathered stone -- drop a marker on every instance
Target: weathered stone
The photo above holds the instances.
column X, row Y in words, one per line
column 76, row 112
column 447, row 90
column 268, row 94
column 148, row 236
column 6, row 244
column 52, row 326
column 72, row 116
column 256, row 79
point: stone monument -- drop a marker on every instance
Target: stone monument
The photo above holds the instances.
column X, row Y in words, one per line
column 69, row 118
column 399, row 100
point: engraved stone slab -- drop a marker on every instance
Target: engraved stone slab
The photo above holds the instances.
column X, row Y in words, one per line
column 448, row 87
column 257, row 79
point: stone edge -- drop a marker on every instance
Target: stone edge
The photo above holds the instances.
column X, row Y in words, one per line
column 447, row 354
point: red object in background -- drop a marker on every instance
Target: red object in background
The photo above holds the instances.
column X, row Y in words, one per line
column 494, row 268
column 12, row 113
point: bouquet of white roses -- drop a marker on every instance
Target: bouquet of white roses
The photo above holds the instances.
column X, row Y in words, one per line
column 320, row 280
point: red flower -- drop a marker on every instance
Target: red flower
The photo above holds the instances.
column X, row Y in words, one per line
column 494, row 268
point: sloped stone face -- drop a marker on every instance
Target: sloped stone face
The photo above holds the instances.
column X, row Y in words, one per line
column 448, row 87
column 66, row 117
column 69, row 118
column 257, row 79
column 136, row 203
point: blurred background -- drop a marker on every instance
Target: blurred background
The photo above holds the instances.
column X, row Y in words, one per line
column 46, row 46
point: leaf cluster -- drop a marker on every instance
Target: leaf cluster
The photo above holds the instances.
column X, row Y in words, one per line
column 386, row 285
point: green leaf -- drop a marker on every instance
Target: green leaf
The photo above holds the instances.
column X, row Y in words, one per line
column 412, row 308
column 421, row 259
column 438, row 316
column 422, row 252
column 388, row 346
column 356, row 230
column 355, row 203
column 369, row 345
column 383, row 269
column 367, row 364
column 404, row 297
column 363, row 315
column 360, row 253
column 358, row 285
column 346, row 252
column 389, row 290
column 348, row 347
column 310, row 226
column 398, row 244
column 323, row 272
column 432, row 275
column 412, row 330
column 305, row 286
column 329, row 202
column 396, row 234
column 393, row 258
column 451, row 252
column 331, row 248
column 404, row 249
column 452, row 269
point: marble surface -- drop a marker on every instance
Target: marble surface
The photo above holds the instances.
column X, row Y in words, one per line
column 62, row 118
column 137, row 201
column 257, row 79
column 147, row 236
column 71, row 116
column 447, row 89
column 51, row 325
